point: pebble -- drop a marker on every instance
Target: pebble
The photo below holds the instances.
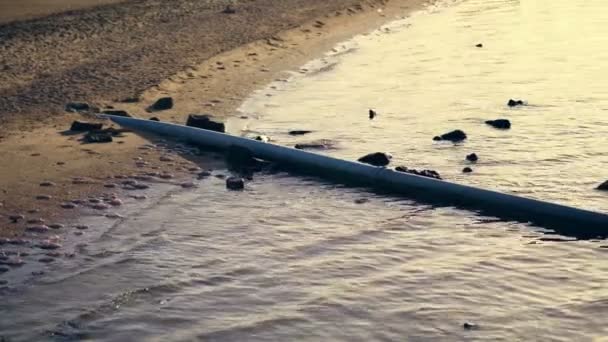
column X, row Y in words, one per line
column 115, row 202
column 3, row 282
column 139, row 197
column 467, row 170
column 94, row 200
column 37, row 273
column 188, row 185
column 18, row 242
column 361, row 200
column 16, row 218
column 13, row 262
column 33, row 211
column 469, row 326
column 38, row 229
column 82, row 227
column 165, row 159
column 110, row 185
column 68, row 205
column 165, row 176
column 101, row 206
column 47, row 244
column 56, row 226
column 235, row 183
column 43, row 197
column 220, row 176
column 47, row 184
column 114, row 216
column 53, row 254
column 36, row 221
column 46, row 260
column 204, row 174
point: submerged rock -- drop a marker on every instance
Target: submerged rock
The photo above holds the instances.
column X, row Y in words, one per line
column 376, row 159
column 515, row 103
column 424, row 173
column 603, row 186
column 499, row 123
column 235, row 183
column 299, row 132
column 472, row 157
column 163, row 103
column 453, row 136
column 205, row 122
column 80, row 126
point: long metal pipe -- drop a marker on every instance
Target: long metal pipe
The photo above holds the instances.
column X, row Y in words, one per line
column 563, row 219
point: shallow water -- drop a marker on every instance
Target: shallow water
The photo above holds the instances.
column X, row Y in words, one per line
column 297, row 259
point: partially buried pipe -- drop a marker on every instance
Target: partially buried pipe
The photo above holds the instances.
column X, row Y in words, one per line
column 564, row 220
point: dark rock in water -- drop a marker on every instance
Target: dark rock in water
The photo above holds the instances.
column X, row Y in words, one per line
column 479, row 45
column 470, row 326
column 372, row 114
column 235, row 183
column 205, row 122
column 76, row 107
column 467, row 170
column 163, row 103
column 154, row 118
column 376, row 159
column 322, row 144
column 98, row 137
column 453, row 136
column 499, row 123
column 299, row 132
column 423, row 173
column 262, row 138
column 116, row 113
column 515, row 103
column 229, row 10
column 603, row 186
column 472, row 157
column 79, row 126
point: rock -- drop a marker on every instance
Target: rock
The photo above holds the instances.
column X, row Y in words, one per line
column 361, row 200
column 97, row 137
column 81, row 227
column 423, row 173
column 76, row 107
column 372, row 114
column 188, row 185
column 479, row 45
column 515, row 103
column 48, row 245
column 35, row 221
column 499, row 123
column 130, row 100
column 47, row 184
column 117, row 113
column 603, row 186
column 80, row 126
column 56, row 226
column 470, row 326
column 100, row 206
column 453, row 136
column 205, row 122
column 472, row 157
column 235, row 183
column 68, row 205
column 229, row 10
column 43, row 197
column 163, row 103
column 115, row 202
column 46, row 260
column 322, row 144
column 38, row 229
column 154, row 118
column 16, row 218
column 299, row 132
column 203, row 174
column 376, row 159
column 467, row 170
column 262, row 138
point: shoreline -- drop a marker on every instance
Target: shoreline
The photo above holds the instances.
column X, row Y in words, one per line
column 34, row 151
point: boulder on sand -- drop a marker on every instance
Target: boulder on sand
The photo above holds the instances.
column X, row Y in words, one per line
column 376, row 159
column 453, row 136
column 80, row 126
column 499, row 123
column 163, row 103
column 205, row 122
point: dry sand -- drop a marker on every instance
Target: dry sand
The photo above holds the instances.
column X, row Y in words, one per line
column 206, row 60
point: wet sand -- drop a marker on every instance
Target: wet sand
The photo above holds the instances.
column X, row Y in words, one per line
column 210, row 72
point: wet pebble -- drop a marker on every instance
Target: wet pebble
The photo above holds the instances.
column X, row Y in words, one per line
column 94, row 200
column 100, row 206
column 470, row 326
column 110, row 185
column 38, row 229
column 139, row 197
column 43, row 197
column 220, row 176
column 47, row 244
column 166, row 176
column 115, row 202
column 68, row 205
column 361, row 200
column 33, row 211
column 81, row 227
column 187, row 185
column 235, row 183
column 204, row 174
column 16, row 217
column 165, row 159
column 47, row 184
column 114, row 216
column 78, row 233
column 467, row 170
column 35, row 221
column 56, row 226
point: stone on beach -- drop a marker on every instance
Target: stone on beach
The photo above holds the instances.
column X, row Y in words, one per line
column 16, row 217
column 76, row 107
column 472, row 157
column 376, row 159
column 49, row 245
column 499, row 123
column 56, row 226
column 515, row 103
column 235, row 183
column 43, row 197
column 423, row 173
column 467, row 170
column 603, row 186
column 46, row 260
column 187, row 185
column 299, row 132
column 47, row 184
column 117, row 113
column 205, row 122
column 163, row 103
column 35, row 221
column 38, row 229
column 68, row 205
column 93, row 137
column 115, row 202
column 80, row 126
column 453, row 136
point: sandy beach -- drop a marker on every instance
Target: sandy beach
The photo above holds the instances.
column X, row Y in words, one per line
column 207, row 60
